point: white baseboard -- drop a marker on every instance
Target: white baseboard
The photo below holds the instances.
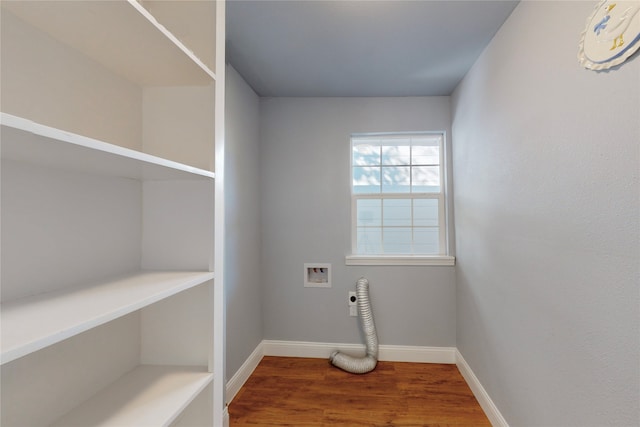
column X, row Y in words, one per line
column 225, row 417
column 404, row 353
column 394, row 353
column 242, row 375
column 487, row 405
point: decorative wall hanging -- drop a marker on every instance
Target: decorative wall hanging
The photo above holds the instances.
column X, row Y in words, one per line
column 612, row 34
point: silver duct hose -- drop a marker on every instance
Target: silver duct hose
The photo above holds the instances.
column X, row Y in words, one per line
column 361, row 365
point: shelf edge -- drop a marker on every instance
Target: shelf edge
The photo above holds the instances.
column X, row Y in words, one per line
column 60, row 135
column 67, row 331
column 168, row 34
column 137, row 385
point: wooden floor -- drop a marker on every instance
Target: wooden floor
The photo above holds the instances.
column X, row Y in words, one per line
column 286, row 391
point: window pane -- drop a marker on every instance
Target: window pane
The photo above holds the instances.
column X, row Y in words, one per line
column 396, row 179
column 397, row 212
column 369, row 240
column 397, row 240
column 396, row 154
column 425, row 155
column 366, row 154
column 425, row 179
column 426, row 149
column 369, row 212
column 425, row 213
column 426, row 241
column 366, row 180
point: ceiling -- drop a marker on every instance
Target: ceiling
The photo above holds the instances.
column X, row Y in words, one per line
column 304, row 48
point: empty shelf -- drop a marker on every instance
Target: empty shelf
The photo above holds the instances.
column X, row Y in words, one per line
column 32, row 323
column 121, row 35
column 26, row 141
column 146, row 396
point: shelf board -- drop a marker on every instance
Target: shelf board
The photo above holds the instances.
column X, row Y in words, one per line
column 30, row 142
column 35, row 322
column 121, row 35
column 146, row 396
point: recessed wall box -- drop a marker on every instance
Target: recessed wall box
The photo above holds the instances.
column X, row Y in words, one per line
column 317, row 275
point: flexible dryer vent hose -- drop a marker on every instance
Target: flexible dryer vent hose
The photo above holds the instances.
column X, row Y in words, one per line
column 361, row 365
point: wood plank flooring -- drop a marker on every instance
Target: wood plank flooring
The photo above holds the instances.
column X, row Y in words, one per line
column 301, row 392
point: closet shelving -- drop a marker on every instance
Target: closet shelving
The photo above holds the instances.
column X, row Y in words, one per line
column 164, row 389
column 70, row 311
column 26, row 141
column 111, row 116
column 121, row 35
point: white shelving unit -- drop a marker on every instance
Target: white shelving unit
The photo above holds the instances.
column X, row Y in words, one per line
column 111, row 138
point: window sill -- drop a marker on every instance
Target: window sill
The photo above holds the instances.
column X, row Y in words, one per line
column 434, row 260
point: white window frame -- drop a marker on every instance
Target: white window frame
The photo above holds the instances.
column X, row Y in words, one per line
column 443, row 258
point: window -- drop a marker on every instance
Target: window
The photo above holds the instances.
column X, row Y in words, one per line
column 398, row 199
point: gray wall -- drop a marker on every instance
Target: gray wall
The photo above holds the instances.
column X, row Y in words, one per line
column 547, row 221
column 305, row 217
column 242, row 210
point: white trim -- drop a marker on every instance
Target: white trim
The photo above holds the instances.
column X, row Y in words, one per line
column 306, row 349
column 487, row 405
column 403, row 353
column 225, row 417
column 217, row 356
column 434, row 260
column 395, row 353
column 244, row 372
